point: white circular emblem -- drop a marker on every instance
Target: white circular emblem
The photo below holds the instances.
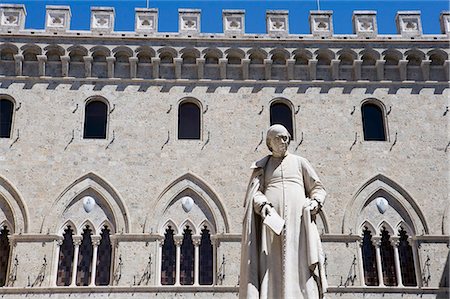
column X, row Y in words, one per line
column 382, row 204
column 187, row 203
column 88, row 203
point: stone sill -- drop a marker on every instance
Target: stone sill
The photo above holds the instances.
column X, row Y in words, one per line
column 359, row 83
column 120, row 289
column 398, row 290
column 220, row 36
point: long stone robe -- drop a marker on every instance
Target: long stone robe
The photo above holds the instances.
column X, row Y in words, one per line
column 289, row 265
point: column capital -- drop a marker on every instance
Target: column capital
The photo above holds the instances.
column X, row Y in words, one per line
column 59, row 242
column 41, row 57
column 65, row 58
column 77, row 240
column 87, row 58
column 178, row 240
column 18, row 57
column 223, row 60
column 395, row 241
column 110, row 59
column 376, row 241
column 197, row 240
column 133, row 59
column 96, row 240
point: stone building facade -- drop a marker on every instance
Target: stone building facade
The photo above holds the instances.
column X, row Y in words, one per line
column 125, row 156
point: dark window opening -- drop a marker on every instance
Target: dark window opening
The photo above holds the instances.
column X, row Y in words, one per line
column 6, row 114
column 103, row 272
column 406, row 257
column 281, row 114
column 373, row 123
column 369, row 259
column 4, row 255
column 84, row 267
column 387, row 259
column 187, row 258
column 205, row 258
column 168, row 258
column 66, row 251
column 188, row 121
column 95, row 120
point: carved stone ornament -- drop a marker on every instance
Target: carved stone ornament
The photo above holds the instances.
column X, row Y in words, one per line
column 233, row 23
column 146, row 22
column 410, row 24
column 88, row 203
column 277, row 24
column 10, row 18
column 382, row 204
column 365, row 25
column 56, row 20
column 187, row 203
column 321, row 24
column 189, row 23
column 101, row 21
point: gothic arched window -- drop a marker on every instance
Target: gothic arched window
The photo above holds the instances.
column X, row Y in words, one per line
column 189, row 122
column 281, row 113
column 373, row 122
column 369, row 259
column 4, row 255
column 85, row 253
column 387, row 259
column 205, row 258
column 168, row 258
column 65, row 261
column 406, row 257
column 95, row 120
column 187, row 258
column 6, row 115
column 103, row 271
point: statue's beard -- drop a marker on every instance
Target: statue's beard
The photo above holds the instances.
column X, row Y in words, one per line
column 280, row 150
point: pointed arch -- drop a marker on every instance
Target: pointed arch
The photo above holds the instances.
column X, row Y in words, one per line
column 403, row 225
column 206, row 196
column 168, row 223
column 91, row 183
column 400, row 197
column 208, row 225
column 15, row 210
column 188, row 223
column 369, row 226
column 66, row 224
column 87, row 223
column 106, row 223
column 385, row 225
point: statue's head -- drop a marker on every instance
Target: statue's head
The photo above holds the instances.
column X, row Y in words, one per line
column 277, row 140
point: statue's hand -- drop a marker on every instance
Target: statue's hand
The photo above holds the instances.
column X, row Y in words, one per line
column 314, row 206
column 266, row 210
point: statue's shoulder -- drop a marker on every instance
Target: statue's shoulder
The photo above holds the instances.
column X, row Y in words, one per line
column 260, row 163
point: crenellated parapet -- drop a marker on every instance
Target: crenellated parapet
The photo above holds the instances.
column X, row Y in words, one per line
column 147, row 54
column 57, row 18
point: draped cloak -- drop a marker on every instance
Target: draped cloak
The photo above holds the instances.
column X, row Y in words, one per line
column 289, row 265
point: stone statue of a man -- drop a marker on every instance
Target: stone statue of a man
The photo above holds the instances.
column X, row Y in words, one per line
column 288, row 265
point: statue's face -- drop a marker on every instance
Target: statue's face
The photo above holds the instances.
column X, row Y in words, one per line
column 279, row 144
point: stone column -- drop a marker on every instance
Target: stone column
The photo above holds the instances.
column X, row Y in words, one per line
column 18, row 58
column 76, row 242
column 446, row 69
column 335, row 69
column 312, row 65
column 177, row 63
column 158, row 271
column 223, row 68
column 156, row 61
column 425, row 66
column 395, row 241
column 402, row 69
column 55, row 265
column 178, row 241
column 376, row 241
column 413, row 245
column 267, row 69
column 380, row 69
column 65, row 66
column 197, row 241
column 359, row 244
column 357, row 69
column 42, row 59
column 200, row 68
column 290, row 63
column 245, row 68
column 95, row 243
column 87, row 66
column 215, row 245
column 133, row 66
column 110, row 63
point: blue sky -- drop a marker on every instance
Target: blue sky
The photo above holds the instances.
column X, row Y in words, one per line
column 255, row 13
